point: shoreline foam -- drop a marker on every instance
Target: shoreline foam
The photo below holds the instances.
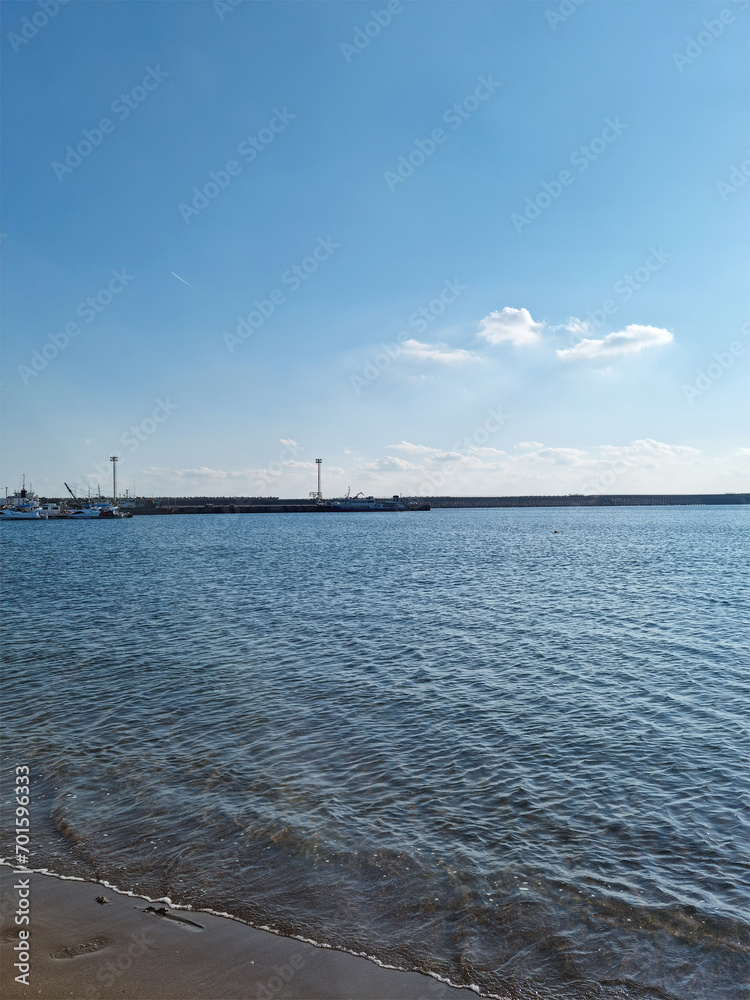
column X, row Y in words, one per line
column 82, row 949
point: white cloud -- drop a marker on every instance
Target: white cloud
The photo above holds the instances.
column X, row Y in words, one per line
column 485, row 451
column 562, row 456
column 530, row 468
column 292, row 463
column 289, row 443
column 389, row 463
column 572, row 325
column 575, row 325
column 196, row 475
column 408, row 446
column 513, row 326
column 631, row 340
column 441, row 353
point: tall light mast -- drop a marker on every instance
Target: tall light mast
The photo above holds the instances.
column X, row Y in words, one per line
column 319, row 462
column 113, row 460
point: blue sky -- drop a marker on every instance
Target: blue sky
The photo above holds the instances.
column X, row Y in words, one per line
column 258, row 205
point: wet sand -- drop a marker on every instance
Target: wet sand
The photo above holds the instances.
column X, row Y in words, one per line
column 83, row 949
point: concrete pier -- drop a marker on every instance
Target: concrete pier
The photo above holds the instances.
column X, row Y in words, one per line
column 274, row 505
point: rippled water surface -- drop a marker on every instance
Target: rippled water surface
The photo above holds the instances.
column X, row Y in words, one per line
column 455, row 741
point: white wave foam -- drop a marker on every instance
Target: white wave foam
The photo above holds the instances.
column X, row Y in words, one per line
column 258, row 927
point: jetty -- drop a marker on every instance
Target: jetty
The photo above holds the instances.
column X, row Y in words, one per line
column 276, row 505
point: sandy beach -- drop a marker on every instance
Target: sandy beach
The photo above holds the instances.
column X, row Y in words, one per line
column 85, row 949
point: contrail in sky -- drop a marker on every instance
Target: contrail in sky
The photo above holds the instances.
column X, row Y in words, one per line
column 181, row 279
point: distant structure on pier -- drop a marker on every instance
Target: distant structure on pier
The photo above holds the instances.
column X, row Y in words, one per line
column 317, row 495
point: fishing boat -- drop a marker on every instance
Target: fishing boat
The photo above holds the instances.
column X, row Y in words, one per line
column 54, row 510
column 21, row 514
column 23, row 505
column 89, row 510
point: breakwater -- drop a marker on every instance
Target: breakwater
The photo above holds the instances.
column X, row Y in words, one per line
column 621, row 500
column 274, row 505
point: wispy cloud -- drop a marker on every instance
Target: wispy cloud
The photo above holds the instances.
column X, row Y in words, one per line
column 390, row 463
column 422, row 449
column 434, row 454
column 632, row 340
column 572, row 325
column 441, row 353
column 533, row 468
column 645, row 465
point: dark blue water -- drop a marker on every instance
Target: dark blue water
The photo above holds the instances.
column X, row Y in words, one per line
column 454, row 741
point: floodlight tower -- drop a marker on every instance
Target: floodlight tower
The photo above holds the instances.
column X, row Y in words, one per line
column 113, row 460
column 319, row 462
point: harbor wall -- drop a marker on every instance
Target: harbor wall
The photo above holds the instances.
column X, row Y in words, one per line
column 274, row 505
column 623, row 500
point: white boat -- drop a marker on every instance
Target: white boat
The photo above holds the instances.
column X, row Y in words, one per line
column 363, row 503
column 94, row 510
column 23, row 505
column 21, row 514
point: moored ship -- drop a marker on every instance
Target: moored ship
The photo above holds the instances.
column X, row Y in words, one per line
column 101, row 509
column 363, row 503
column 23, row 505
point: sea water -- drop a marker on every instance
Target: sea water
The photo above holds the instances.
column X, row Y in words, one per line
column 502, row 746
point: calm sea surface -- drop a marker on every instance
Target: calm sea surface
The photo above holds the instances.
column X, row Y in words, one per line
column 454, row 741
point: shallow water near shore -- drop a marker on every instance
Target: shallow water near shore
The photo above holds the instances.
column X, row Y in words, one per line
column 453, row 741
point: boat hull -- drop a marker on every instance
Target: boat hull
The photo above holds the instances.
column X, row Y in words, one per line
column 98, row 511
